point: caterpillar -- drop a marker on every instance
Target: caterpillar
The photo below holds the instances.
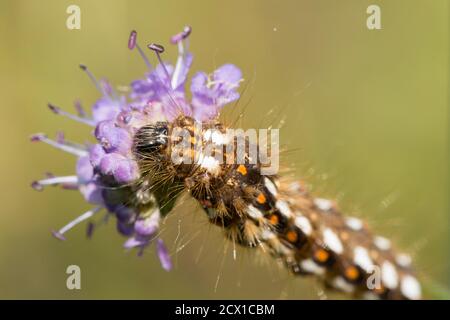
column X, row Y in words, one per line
column 309, row 234
column 130, row 173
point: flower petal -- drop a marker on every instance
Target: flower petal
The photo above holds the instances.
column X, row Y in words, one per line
column 229, row 74
column 210, row 95
column 92, row 193
column 106, row 108
column 163, row 255
column 124, row 228
column 148, row 227
column 113, row 138
column 85, row 171
column 134, row 242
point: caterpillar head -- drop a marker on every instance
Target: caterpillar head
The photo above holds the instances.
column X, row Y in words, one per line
column 151, row 139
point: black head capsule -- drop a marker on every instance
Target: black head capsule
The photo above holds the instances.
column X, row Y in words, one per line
column 150, row 139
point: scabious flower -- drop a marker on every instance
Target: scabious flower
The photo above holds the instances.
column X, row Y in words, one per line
column 106, row 171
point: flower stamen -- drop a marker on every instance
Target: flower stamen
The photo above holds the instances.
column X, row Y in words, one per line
column 39, row 185
column 132, row 43
column 80, row 111
column 88, row 214
column 59, row 111
column 93, row 79
column 179, row 39
column 40, row 137
column 158, row 49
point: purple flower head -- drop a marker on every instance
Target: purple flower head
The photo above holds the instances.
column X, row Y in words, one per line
column 166, row 84
column 107, row 174
column 211, row 93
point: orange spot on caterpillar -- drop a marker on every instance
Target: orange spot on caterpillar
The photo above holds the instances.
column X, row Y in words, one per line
column 292, row 236
column 242, row 169
column 321, row 255
column 261, row 198
column 274, row 219
column 351, row 273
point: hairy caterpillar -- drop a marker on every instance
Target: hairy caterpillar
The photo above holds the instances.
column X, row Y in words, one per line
column 309, row 234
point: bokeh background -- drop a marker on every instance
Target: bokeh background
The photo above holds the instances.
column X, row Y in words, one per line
column 365, row 121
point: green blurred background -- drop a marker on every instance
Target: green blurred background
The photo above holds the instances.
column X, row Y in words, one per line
column 365, row 119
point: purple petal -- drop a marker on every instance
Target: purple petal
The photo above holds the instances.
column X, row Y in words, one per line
column 126, row 171
column 113, row 138
column 84, row 169
column 134, row 242
column 203, row 110
column 125, row 229
column 124, row 214
column 198, row 83
column 141, row 87
column 209, row 96
column 228, row 73
column 103, row 128
column 147, row 227
column 109, row 163
column 122, row 169
column 106, row 109
column 163, row 255
column 92, row 193
column 96, row 153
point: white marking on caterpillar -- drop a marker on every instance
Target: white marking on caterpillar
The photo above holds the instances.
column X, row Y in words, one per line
column 403, row 260
column 211, row 164
column 410, row 287
column 254, row 213
column 343, row 285
column 332, row 241
column 218, row 138
column 362, row 259
column 270, row 186
column 354, row 223
column 283, row 207
column 303, row 224
column 309, row 265
column 382, row 243
column 323, row 204
column 207, row 135
column 389, row 275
